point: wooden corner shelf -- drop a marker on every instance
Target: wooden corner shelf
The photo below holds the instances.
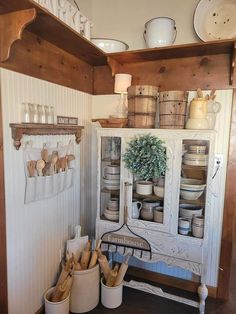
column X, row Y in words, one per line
column 20, row 129
column 48, row 27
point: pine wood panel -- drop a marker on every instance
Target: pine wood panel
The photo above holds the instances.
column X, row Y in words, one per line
column 3, row 252
column 175, row 51
column 38, row 58
column 199, row 71
column 229, row 213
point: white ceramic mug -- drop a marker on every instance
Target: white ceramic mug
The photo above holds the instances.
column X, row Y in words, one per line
column 136, row 207
column 159, row 32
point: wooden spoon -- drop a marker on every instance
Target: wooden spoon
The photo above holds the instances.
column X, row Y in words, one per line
column 40, row 164
column 53, row 163
column 31, row 167
column 44, row 155
column 69, row 159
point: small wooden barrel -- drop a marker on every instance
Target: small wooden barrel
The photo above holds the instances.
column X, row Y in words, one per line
column 145, row 121
column 142, row 90
column 173, row 95
column 140, row 104
column 172, row 121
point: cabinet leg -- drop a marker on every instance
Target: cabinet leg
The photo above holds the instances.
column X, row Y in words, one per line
column 203, row 293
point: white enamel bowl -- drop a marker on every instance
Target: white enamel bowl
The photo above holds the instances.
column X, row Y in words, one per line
column 110, row 45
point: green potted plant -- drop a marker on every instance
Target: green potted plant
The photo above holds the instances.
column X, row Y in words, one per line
column 146, row 158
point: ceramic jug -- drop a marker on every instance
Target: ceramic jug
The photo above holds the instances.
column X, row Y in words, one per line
column 160, row 31
column 198, row 114
column 136, row 207
column 212, row 108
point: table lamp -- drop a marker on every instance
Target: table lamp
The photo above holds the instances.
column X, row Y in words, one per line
column 122, row 82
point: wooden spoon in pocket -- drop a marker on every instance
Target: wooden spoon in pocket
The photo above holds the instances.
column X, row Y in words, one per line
column 31, row 167
column 69, row 159
column 40, row 164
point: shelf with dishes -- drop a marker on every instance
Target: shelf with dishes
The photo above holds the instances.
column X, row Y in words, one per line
column 194, row 170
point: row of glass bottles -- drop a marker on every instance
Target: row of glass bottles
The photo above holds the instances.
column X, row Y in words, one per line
column 35, row 113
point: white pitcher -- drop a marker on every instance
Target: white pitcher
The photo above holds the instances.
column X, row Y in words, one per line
column 136, row 207
column 160, row 31
column 212, row 108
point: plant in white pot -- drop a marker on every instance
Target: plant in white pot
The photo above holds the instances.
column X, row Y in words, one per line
column 146, row 158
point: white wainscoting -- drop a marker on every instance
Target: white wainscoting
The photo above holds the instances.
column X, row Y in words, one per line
column 36, row 232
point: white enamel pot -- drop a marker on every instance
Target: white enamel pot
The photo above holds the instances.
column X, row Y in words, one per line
column 159, row 32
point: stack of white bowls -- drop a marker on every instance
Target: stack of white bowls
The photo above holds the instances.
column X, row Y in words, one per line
column 196, row 156
column 112, row 210
column 111, row 178
column 188, row 211
column 191, row 189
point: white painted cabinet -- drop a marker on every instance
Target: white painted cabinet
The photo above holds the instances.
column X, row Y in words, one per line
column 167, row 244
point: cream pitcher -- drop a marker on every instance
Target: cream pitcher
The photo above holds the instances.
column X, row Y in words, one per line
column 198, row 113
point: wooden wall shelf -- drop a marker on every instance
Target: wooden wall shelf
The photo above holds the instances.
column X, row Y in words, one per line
column 51, row 50
column 50, row 28
column 18, row 130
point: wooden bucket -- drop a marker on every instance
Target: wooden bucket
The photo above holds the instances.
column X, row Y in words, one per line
column 171, row 121
column 144, row 121
column 173, row 95
column 142, row 90
column 142, row 104
column 173, row 107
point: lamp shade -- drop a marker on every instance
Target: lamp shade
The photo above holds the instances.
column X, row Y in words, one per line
column 122, row 82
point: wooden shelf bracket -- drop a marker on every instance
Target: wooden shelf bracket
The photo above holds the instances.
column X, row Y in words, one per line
column 11, row 28
column 114, row 65
column 233, row 61
column 18, row 130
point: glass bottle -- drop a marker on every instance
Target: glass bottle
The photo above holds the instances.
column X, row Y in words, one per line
column 51, row 115
column 46, row 112
column 25, row 113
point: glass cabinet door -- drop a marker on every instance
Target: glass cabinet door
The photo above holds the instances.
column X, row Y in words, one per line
column 194, row 171
column 110, row 178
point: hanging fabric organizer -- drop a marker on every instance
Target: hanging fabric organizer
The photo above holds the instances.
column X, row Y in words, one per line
column 49, row 171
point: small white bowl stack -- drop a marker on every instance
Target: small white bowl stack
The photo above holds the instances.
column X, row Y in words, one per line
column 112, row 210
column 196, row 156
column 111, row 178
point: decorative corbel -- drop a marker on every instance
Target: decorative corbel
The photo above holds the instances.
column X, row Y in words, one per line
column 114, row 65
column 232, row 65
column 11, row 28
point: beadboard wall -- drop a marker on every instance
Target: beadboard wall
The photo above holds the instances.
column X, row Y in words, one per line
column 36, row 232
column 103, row 106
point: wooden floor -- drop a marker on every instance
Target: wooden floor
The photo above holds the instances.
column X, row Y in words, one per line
column 144, row 303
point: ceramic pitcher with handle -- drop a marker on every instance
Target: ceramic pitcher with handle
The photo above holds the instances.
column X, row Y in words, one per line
column 136, row 207
column 212, row 108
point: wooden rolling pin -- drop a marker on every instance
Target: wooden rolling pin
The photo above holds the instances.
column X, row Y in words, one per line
column 85, row 256
column 122, row 271
column 103, row 262
column 94, row 257
column 110, row 282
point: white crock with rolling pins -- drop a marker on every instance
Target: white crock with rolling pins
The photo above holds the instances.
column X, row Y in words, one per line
column 159, row 32
column 136, row 207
